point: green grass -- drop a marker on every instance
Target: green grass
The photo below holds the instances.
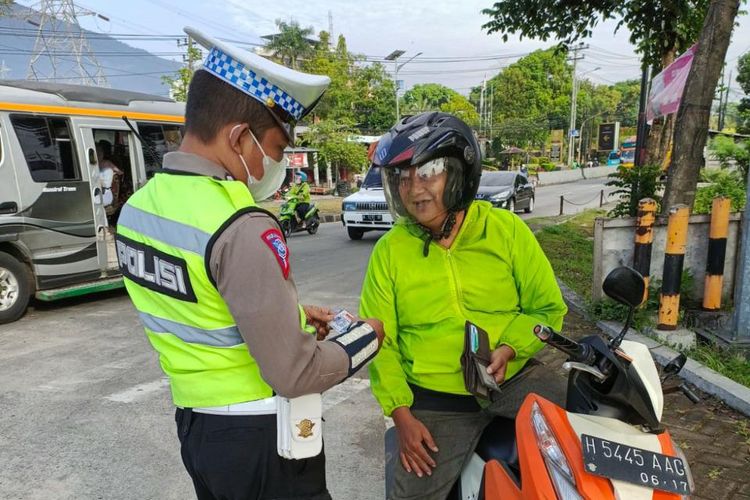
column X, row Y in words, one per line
column 569, row 246
column 730, row 363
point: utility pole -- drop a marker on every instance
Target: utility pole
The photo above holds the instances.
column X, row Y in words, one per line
column 726, row 98
column 330, row 29
column 723, row 107
column 722, row 89
column 482, row 111
column 58, row 37
column 642, row 127
column 489, row 116
column 573, row 100
column 188, row 58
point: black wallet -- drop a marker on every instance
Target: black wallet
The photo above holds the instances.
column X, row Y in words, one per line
column 476, row 358
column 474, row 362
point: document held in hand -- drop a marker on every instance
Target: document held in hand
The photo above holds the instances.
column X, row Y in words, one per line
column 299, row 426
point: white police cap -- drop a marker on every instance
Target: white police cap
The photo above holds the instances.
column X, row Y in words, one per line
column 274, row 85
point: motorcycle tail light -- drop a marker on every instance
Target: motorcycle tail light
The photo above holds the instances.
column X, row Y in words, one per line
column 554, row 458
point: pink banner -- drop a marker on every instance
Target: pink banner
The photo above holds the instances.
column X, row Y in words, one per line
column 666, row 87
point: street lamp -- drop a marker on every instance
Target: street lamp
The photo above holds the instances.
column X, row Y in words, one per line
column 393, row 56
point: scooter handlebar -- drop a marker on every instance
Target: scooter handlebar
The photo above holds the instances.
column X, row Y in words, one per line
column 581, row 353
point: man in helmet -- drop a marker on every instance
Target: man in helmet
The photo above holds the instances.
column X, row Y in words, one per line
column 301, row 190
column 448, row 259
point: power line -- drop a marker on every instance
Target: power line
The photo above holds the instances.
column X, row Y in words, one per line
column 194, row 17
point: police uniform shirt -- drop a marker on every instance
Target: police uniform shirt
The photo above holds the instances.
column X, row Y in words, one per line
column 263, row 302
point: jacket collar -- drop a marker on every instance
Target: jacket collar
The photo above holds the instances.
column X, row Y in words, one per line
column 194, row 164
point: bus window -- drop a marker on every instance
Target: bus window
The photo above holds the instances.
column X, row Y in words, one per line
column 47, row 146
column 159, row 139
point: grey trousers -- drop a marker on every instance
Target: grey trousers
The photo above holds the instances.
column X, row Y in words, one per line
column 456, row 435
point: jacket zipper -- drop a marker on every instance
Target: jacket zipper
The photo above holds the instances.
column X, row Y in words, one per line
column 456, row 282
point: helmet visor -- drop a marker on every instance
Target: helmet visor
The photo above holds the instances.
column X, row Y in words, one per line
column 399, row 181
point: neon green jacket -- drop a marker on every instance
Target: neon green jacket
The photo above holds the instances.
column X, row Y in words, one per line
column 495, row 274
column 301, row 191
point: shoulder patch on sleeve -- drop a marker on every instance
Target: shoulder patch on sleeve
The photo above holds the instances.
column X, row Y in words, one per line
column 275, row 242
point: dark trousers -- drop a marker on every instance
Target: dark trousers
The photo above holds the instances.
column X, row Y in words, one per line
column 235, row 458
column 302, row 210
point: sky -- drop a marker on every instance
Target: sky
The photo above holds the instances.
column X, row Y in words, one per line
column 447, row 30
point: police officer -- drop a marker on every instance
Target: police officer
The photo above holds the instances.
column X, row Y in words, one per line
column 209, row 273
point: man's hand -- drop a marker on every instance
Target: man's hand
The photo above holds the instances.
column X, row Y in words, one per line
column 377, row 325
column 414, row 439
column 499, row 362
column 319, row 317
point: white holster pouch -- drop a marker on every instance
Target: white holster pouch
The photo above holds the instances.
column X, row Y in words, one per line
column 299, row 426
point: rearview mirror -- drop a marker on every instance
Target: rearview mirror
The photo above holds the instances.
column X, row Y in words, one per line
column 674, row 366
column 625, row 285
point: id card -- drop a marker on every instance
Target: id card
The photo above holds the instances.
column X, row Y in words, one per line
column 342, row 321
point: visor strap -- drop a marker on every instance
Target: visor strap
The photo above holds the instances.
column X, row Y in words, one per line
column 445, row 231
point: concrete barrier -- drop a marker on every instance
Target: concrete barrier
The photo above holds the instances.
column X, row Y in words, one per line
column 563, row 176
column 614, row 246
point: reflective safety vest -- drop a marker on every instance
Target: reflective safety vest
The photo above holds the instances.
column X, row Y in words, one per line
column 164, row 232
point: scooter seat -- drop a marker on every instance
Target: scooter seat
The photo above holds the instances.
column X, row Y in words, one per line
column 498, row 442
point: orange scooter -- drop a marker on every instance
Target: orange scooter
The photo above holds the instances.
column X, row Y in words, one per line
column 607, row 443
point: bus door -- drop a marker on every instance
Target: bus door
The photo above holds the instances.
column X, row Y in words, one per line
column 109, row 155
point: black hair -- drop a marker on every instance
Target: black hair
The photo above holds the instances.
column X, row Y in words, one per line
column 106, row 148
column 213, row 104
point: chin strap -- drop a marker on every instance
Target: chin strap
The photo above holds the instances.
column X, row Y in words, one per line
column 445, row 231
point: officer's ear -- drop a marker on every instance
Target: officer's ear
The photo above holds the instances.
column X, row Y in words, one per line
column 235, row 135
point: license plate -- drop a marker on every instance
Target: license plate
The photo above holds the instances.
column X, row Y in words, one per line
column 372, row 218
column 634, row 465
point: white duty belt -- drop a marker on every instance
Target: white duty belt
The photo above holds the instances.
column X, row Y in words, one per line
column 260, row 407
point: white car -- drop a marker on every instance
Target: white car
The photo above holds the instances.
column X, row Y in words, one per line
column 366, row 210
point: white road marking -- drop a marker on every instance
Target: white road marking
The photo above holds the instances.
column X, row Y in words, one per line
column 344, row 391
column 138, row 392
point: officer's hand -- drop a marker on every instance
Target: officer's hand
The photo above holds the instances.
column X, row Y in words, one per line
column 377, row 325
column 499, row 362
column 319, row 317
column 414, row 438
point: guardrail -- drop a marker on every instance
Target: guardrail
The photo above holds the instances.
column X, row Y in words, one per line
column 603, row 198
column 562, row 176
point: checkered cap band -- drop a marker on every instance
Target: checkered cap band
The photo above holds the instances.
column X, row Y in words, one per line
column 235, row 73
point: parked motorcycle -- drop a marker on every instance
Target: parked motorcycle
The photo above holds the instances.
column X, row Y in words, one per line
column 290, row 222
column 607, row 443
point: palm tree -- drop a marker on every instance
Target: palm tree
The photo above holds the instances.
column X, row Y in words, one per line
column 292, row 43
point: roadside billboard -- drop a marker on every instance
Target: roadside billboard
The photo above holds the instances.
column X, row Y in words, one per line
column 609, row 136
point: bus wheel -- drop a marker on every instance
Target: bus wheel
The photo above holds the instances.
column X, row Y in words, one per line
column 15, row 288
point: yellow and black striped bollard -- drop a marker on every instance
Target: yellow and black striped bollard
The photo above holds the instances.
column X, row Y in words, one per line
column 717, row 249
column 644, row 238
column 674, row 257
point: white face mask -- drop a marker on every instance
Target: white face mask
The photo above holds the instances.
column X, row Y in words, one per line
column 273, row 174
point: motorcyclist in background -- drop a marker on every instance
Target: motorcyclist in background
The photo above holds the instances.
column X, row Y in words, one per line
column 301, row 189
